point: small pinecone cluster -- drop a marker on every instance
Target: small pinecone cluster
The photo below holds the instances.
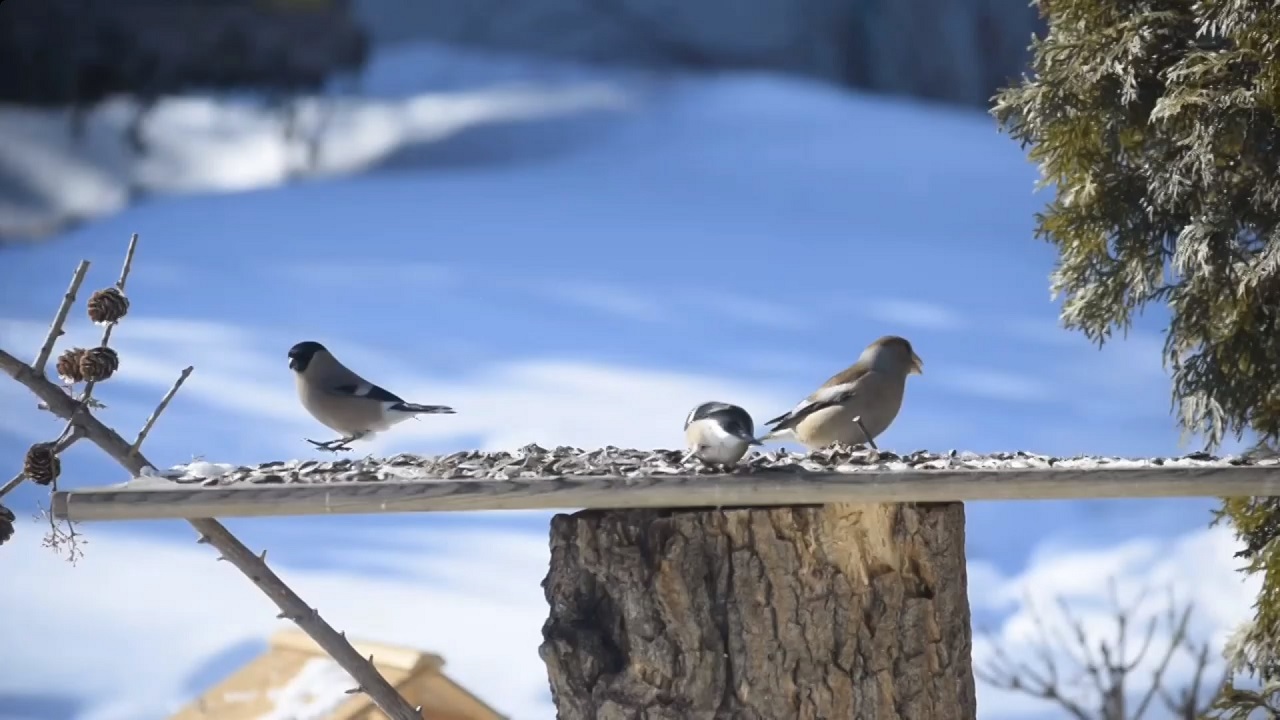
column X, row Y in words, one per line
column 69, row 365
column 98, row 364
column 42, row 465
column 7, row 519
column 107, row 306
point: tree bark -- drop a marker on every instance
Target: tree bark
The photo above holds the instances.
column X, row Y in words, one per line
column 812, row 613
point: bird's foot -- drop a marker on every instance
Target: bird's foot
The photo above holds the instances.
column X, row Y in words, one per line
column 334, row 446
column 703, row 463
column 865, row 435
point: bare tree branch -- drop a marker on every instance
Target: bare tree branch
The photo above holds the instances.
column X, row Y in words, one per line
column 1110, row 666
column 232, row 550
column 1187, row 705
column 155, row 414
column 1091, row 665
column 128, row 261
column 1045, row 683
column 57, row 538
column 87, row 395
column 1144, row 648
column 61, row 445
column 1042, row 648
column 46, row 350
column 60, row 319
column 81, row 421
column 15, row 482
column 1175, row 644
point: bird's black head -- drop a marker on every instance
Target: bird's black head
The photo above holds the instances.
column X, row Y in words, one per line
column 300, row 355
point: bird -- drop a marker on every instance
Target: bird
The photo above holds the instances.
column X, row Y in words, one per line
column 345, row 402
column 718, row 433
column 858, row 403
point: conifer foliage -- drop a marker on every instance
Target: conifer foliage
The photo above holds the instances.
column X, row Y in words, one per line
column 1157, row 122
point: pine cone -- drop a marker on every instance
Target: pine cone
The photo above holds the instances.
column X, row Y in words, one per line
column 107, row 306
column 99, row 364
column 7, row 519
column 42, row 466
column 69, row 365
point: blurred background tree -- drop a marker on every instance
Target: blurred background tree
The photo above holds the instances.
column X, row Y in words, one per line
column 79, row 53
column 118, row 66
column 1122, row 673
column 1157, row 124
column 73, row 52
column 974, row 46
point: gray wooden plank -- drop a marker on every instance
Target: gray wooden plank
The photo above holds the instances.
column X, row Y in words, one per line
column 156, row 500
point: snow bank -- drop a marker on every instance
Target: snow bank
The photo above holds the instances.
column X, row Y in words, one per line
column 50, row 179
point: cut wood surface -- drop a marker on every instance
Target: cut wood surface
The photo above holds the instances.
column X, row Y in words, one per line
column 850, row 611
column 611, row 478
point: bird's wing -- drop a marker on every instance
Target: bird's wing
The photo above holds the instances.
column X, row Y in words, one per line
column 706, row 409
column 824, row 397
column 364, row 389
column 838, row 388
column 851, row 374
column 736, row 421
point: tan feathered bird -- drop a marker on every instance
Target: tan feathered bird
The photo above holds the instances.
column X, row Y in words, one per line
column 857, row 404
column 345, row 402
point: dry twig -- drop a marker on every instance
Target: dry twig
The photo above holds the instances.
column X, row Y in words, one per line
column 58, row 539
column 155, row 414
column 87, row 396
column 15, row 482
column 60, row 319
column 1104, row 668
column 82, row 422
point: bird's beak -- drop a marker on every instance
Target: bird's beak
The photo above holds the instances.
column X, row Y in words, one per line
column 917, row 365
column 293, row 363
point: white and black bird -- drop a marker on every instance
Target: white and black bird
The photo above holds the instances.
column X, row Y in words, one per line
column 856, row 404
column 345, row 402
column 718, row 433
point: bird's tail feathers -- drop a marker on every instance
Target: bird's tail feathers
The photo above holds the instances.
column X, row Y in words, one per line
column 423, row 409
column 773, row 434
column 778, row 420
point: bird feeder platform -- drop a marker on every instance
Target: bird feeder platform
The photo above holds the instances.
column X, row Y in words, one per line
column 534, row 478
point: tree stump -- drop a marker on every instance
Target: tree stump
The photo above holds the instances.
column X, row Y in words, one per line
column 807, row 613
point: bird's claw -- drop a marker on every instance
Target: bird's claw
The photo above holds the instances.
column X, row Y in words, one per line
column 333, row 446
column 865, row 435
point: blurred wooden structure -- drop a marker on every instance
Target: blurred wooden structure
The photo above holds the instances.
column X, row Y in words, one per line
column 79, row 52
column 295, row 676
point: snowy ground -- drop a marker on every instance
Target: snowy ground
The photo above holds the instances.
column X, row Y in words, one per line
column 50, row 178
column 567, row 256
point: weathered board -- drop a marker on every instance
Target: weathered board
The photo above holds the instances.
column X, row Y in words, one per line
column 568, row 478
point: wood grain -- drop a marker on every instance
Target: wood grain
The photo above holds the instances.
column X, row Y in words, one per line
column 832, row 612
column 661, row 491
